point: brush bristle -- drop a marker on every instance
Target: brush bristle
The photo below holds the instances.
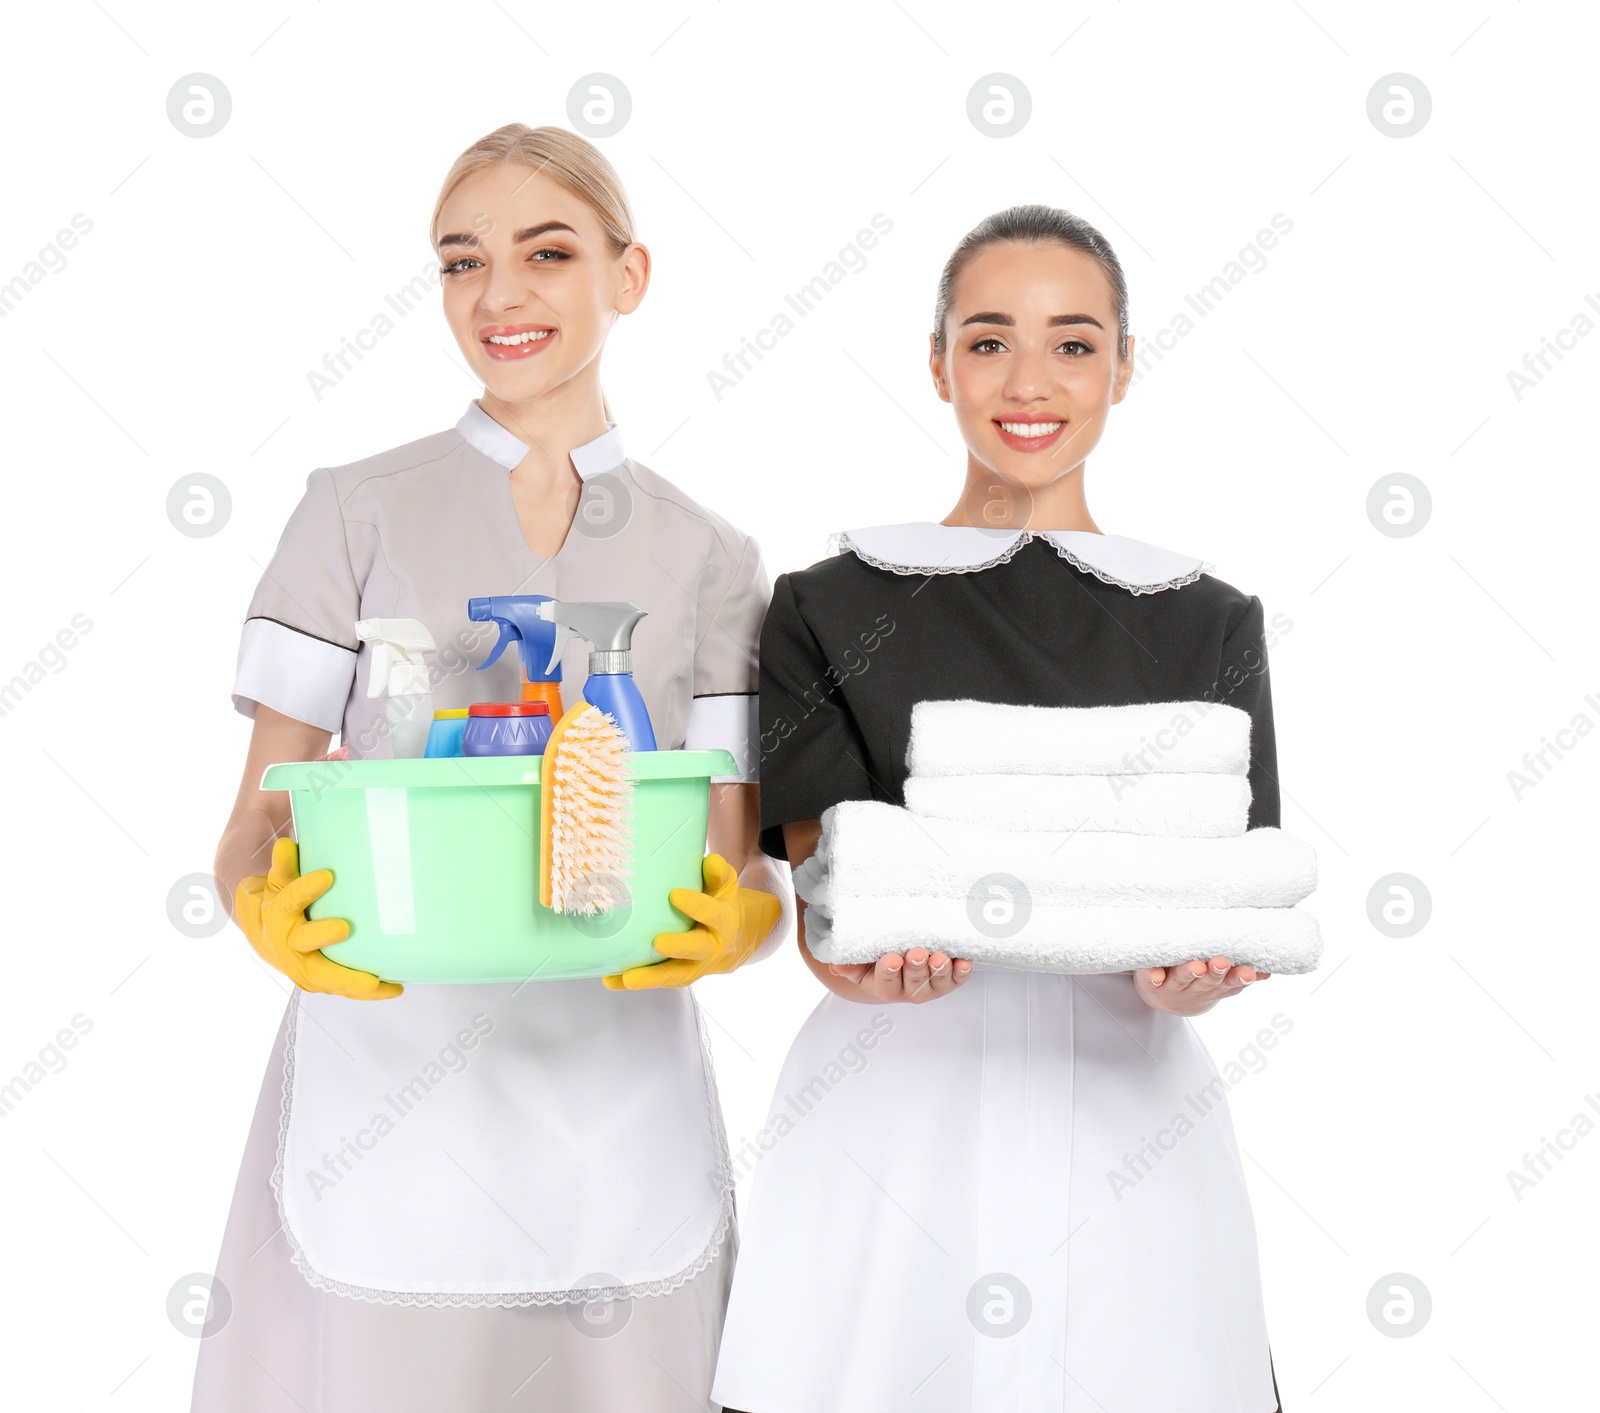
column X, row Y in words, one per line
column 590, row 837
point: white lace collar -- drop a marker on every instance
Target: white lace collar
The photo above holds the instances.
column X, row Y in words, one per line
column 926, row 547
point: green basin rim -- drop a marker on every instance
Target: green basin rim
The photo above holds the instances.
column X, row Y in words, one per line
column 456, row 771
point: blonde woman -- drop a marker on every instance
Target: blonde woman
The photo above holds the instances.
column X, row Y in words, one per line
column 485, row 1197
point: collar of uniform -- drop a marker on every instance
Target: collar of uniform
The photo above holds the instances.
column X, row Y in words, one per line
column 926, row 547
column 604, row 453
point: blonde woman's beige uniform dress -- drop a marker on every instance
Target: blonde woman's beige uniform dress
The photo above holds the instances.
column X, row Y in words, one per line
column 486, row 1197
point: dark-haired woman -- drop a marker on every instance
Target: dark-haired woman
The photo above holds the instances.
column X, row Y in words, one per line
column 1023, row 1194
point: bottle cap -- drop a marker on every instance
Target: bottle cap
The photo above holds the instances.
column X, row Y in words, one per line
column 449, row 713
column 509, row 709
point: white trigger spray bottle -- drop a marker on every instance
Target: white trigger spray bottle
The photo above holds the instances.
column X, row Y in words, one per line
column 397, row 647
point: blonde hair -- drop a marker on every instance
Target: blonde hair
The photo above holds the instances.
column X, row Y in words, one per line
column 572, row 162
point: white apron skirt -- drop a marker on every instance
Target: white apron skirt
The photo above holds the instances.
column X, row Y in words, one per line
column 423, row 1300
column 1023, row 1195
column 503, row 1145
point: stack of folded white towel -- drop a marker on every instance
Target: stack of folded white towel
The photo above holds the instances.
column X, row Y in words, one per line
column 1065, row 839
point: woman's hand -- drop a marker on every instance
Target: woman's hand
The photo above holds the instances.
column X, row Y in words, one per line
column 271, row 911
column 1193, row 988
column 916, row 977
column 730, row 924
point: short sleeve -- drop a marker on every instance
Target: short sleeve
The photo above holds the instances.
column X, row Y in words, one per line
column 733, row 596
column 1243, row 682
column 297, row 652
column 812, row 752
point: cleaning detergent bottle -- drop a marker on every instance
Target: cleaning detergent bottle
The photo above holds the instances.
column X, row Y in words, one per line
column 397, row 667
column 609, row 629
column 520, row 623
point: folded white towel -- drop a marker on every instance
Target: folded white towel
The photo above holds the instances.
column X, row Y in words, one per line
column 982, row 738
column 1074, row 940
column 1195, row 806
column 870, row 849
column 1065, row 839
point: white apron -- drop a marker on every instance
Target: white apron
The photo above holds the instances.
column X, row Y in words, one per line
column 497, row 1145
column 1025, row 1195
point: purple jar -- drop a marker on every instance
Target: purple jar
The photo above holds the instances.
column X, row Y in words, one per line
column 506, row 729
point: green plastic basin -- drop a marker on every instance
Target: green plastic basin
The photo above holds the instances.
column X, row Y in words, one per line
column 435, row 864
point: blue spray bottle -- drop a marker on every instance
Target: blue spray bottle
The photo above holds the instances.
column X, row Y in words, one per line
column 609, row 629
column 520, row 623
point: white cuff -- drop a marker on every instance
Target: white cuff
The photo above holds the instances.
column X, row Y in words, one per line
column 302, row 676
column 726, row 722
column 783, row 928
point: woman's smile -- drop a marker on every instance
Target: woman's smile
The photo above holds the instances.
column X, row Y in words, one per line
column 506, row 343
column 1029, row 431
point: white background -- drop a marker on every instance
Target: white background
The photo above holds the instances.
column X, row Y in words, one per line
column 178, row 335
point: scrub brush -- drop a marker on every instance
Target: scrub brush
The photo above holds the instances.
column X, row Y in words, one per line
column 585, row 799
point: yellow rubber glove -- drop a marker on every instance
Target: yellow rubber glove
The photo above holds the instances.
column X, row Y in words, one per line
column 272, row 913
column 730, row 922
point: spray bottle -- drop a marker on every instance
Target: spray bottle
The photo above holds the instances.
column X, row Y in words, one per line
column 609, row 629
column 520, row 623
column 397, row 647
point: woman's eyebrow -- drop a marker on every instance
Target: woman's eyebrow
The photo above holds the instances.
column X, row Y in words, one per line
column 1056, row 321
column 531, row 233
